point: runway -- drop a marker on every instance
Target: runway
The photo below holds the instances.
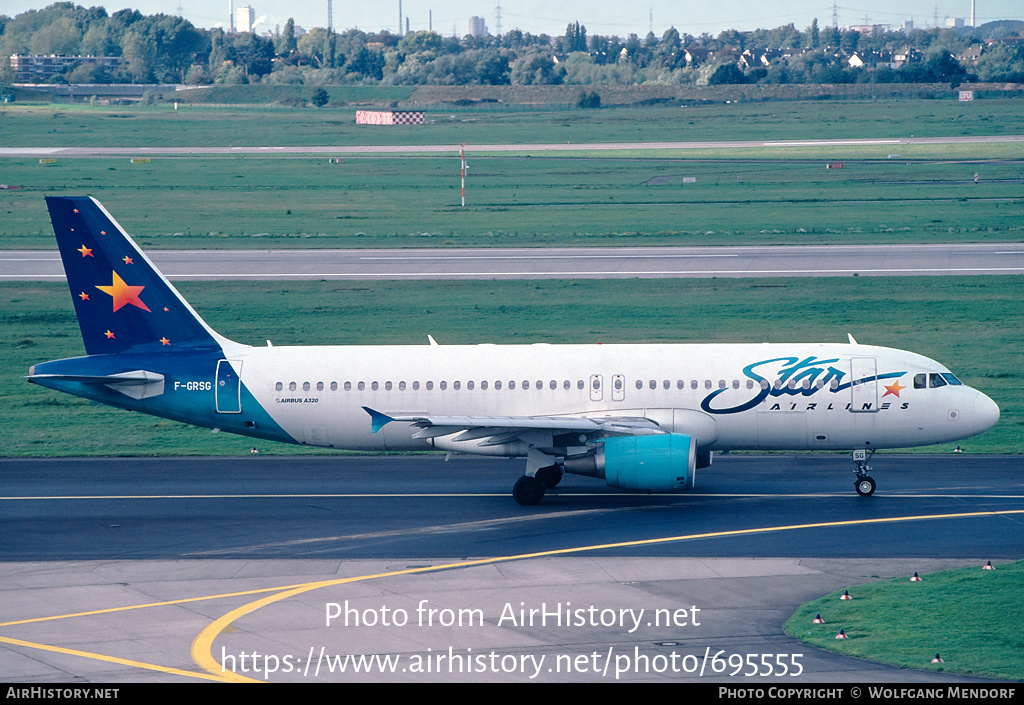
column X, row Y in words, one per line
column 85, row 152
column 191, row 544
column 948, row 259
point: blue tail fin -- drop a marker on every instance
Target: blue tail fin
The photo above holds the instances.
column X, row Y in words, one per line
column 121, row 299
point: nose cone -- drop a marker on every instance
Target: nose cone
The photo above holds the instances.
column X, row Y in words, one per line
column 986, row 413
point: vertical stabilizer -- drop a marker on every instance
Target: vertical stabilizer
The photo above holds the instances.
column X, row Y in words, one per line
column 121, row 299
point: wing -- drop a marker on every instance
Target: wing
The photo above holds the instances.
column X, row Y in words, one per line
column 498, row 430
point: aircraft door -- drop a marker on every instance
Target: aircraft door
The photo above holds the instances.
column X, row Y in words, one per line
column 863, row 385
column 596, row 388
column 618, row 388
column 229, row 387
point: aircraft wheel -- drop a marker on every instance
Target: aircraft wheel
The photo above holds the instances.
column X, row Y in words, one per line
column 865, row 486
column 528, row 491
column 550, row 476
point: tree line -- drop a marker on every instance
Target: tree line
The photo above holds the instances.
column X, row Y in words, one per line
column 168, row 49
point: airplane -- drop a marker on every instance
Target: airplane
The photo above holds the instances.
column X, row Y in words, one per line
column 640, row 417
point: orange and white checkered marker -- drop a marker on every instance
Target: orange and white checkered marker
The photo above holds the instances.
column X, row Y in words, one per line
column 817, row 619
column 937, row 659
column 988, row 566
column 845, row 595
column 916, row 578
column 842, row 635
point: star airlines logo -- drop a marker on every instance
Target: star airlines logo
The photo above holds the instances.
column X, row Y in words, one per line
column 124, row 294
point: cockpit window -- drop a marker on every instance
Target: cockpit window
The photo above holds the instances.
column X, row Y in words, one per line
column 951, row 378
column 935, row 380
column 920, row 381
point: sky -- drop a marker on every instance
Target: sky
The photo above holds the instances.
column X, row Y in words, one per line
column 542, row 16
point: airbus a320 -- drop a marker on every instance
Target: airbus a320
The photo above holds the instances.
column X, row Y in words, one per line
column 640, row 417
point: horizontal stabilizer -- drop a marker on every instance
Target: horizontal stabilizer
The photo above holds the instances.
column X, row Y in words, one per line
column 137, row 384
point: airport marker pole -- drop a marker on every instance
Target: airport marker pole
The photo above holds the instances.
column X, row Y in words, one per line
column 462, row 155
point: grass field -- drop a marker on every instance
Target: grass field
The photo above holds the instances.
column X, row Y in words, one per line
column 153, row 126
column 949, row 319
column 964, row 615
column 770, row 195
column 524, row 201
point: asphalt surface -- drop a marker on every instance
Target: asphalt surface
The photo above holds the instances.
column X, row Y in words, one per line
column 557, row 263
column 189, row 539
column 84, row 152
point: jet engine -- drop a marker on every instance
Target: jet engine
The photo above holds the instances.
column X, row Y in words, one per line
column 660, row 463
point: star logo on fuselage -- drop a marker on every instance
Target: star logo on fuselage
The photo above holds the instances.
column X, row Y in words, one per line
column 893, row 389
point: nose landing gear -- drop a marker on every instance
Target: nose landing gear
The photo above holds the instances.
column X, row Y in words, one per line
column 864, row 484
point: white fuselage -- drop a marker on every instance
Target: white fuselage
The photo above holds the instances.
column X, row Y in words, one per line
column 726, row 396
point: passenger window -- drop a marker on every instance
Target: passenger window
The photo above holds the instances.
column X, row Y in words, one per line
column 416, row 386
column 430, row 385
column 401, row 386
column 497, row 385
column 348, row 386
column 693, row 384
column 443, row 385
column 291, row 386
column 319, row 386
column 279, row 386
column 362, row 386
column 375, row 386
column 580, row 384
column 639, row 384
column 334, row 386
column 653, row 384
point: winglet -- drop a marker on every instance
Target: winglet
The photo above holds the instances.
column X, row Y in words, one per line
column 377, row 419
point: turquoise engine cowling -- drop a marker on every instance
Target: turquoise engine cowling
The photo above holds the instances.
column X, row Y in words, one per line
column 662, row 463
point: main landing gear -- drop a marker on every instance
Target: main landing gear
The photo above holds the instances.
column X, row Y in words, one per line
column 530, row 489
column 864, row 484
